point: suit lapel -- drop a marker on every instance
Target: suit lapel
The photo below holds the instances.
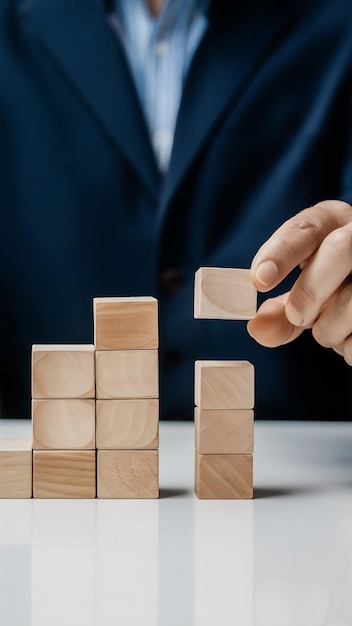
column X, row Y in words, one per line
column 225, row 62
column 77, row 37
column 79, row 40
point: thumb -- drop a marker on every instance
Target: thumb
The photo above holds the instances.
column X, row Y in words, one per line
column 270, row 327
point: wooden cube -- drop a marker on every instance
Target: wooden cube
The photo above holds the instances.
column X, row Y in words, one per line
column 63, row 424
column 127, row 374
column 224, row 384
column 63, row 371
column 224, row 431
column 128, row 474
column 64, row 474
column 224, row 293
column 224, row 476
column 125, row 323
column 127, row 424
column 15, row 468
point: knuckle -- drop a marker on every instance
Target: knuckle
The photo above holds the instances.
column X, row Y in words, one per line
column 325, row 216
column 321, row 335
column 335, row 205
column 309, row 223
column 305, row 295
column 344, row 300
column 340, row 240
column 338, row 349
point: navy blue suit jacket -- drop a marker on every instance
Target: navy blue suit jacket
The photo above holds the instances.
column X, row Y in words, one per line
column 264, row 130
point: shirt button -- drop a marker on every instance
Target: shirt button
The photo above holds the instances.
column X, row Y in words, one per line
column 162, row 48
column 170, row 281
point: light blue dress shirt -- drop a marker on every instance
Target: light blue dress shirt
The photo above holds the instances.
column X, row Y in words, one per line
column 159, row 51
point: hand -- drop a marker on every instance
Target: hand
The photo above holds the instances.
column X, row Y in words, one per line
column 319, row 240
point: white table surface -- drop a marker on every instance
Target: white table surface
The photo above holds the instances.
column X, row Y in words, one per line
column 281, row 559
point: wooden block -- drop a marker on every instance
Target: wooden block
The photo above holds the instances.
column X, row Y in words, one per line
column 224, row 293
column 15, row 468
column 127, row 424
column 224, row 384
column 64, row 473
column 224, row 476
column 224, row 431
column 126, row 374
column 63, row 424
column 128, row 474
column 125, row 323
column 63, row 371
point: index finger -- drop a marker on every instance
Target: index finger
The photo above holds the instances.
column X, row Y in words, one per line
column 295, row 241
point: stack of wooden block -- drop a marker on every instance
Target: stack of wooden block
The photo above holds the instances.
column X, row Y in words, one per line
column 224, row 398
column 127, row 391
column 95, row 412
column 63, row 421
column 224, row 392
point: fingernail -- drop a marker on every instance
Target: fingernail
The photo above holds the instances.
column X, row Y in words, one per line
column 266, row 273
column 293, row 316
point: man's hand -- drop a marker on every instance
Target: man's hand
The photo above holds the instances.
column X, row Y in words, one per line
column 319, row 240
